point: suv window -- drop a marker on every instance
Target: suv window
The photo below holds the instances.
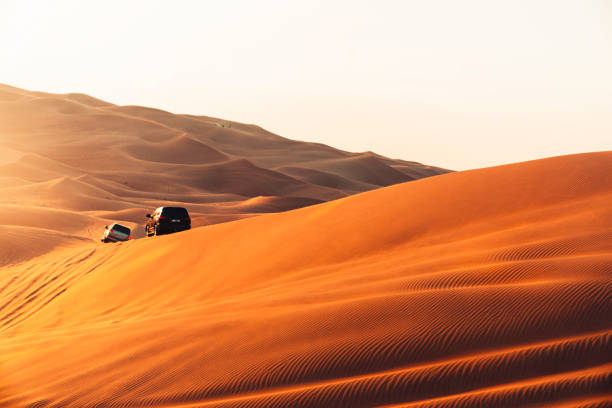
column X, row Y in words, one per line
column 122, row 229
column 175, row 212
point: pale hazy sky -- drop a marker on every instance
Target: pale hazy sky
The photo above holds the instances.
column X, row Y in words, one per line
column 458, row 84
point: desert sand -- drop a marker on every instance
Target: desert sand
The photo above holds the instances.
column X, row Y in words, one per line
column 71, row 163
column 482, row 288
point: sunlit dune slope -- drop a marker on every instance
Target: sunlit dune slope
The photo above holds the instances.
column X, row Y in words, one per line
column 75, row 134
column 73, row 152
column 489, row 287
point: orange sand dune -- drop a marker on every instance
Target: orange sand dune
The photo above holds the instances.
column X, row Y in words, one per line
column 73, row 152
column 483, row 288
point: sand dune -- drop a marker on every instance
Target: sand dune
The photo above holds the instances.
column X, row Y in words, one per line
column 489, row 287
column 20, row 244
column 365, row 168
column 73, row 152
column 76, row 152
column 181, row 149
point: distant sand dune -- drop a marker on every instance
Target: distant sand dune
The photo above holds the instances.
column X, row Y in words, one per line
column 364, row 168
column 181, row 149
column 75, row 152
column 483, row 288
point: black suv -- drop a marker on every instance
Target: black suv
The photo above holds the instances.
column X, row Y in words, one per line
column 166, row 220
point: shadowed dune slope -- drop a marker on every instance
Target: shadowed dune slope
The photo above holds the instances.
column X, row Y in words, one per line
column 482, row 288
